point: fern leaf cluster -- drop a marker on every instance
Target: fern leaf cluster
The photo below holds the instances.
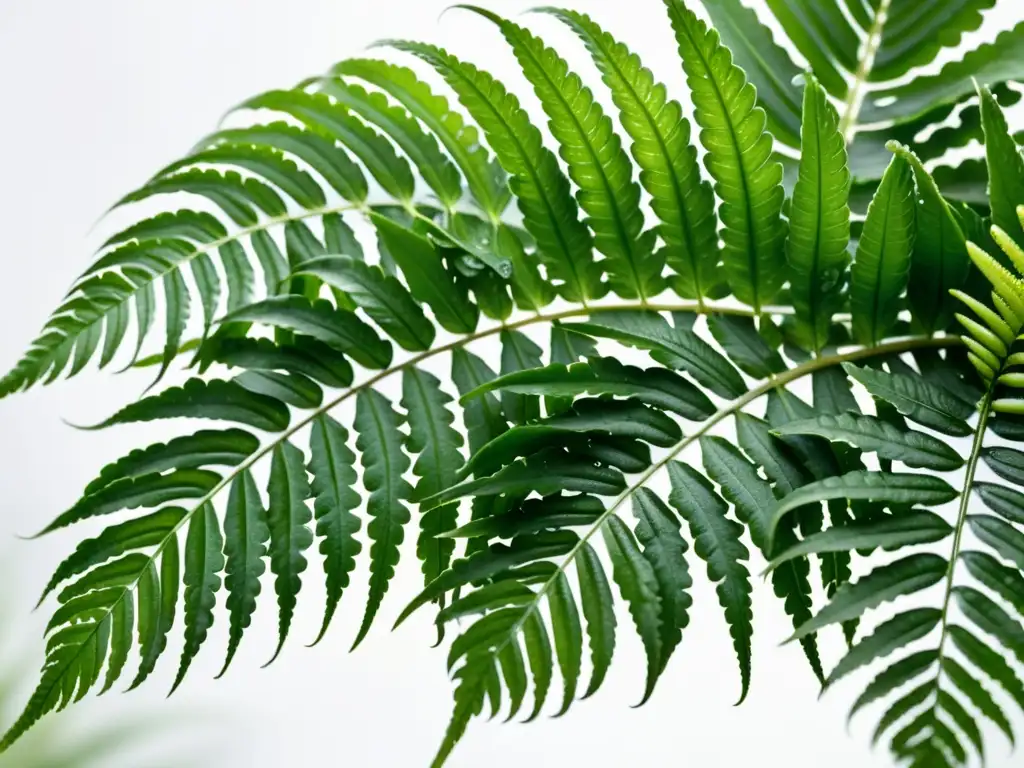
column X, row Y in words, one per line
column 362, row 229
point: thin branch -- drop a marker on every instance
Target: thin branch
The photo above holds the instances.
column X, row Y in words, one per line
column 855, row 98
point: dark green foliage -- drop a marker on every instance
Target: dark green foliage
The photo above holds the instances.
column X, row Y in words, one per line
column 377, row 214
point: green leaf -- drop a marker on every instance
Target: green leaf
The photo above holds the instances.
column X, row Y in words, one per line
column 991, row 62
column 596, row 599
column 819, row 220
column 288, row 518
column 533, row 516
column 291, row 388
column 991, row 619
column 148, row 530
column 657, row 530
column 880, row 269
column 473, row 676
column 545, row 473
column 675, row 347
column 302, row 355
column 753, row 499
column 541, row 189
column 228, row 448
column 889, row 636
column 717, row 542
column 780, row 462
column 939, row 261
column 150, row 490
column 868, row 433
column 740, row 160
column 889, row 487
column 176, row 308
column 418, row 145
column 314, row 147
column 317, row 111
column 116, row 573
column 824, row 34
column 158, row 599
column 739, row 338
column 1008, row 463
column 896, row 675
column 902, row 706
column 663, row 150
column 885, row 583
column 963, row 719
column 606, row 376
column 487, row 563
column 380, row 447
column 74, row 659
column 483, row 419
column 438, row 446
column 596, row 161
column 977, row 694
column 1007, row 582
column 122, row 624
column 337, row 328
column 380, row 295
column 490, row 597
column 1003, row 501
column 213, row 399
column 913, row 36
column 236, row 196
column 565, row 622
column 899, row 530
column 614, row 418
column 538, row 651
column 332, row 465
column 519, row 353
column 203, row 563
column 486, row 181
column 262, row 161
column 1002, row 537
column 198, row 226
column 916, row 398
column 639, row 587
column 1005, row 164
column 245, row 546
column 765, row 63
column 990, row 662
column 427, row 277
column 833, row 393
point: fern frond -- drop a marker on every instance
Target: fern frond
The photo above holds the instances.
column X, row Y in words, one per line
column 665, row 155
column 819, row 220
column 542, row 191
column 597, row 163
column 862, row 53
column 531, row 463
column 740, row 160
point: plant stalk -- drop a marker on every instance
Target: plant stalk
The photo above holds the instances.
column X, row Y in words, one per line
column 855, row 98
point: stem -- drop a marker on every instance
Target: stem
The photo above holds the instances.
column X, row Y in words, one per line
column 855, row 98
column 961, row 518
column 965, row 495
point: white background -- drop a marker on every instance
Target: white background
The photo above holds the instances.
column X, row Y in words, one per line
column 97, row 96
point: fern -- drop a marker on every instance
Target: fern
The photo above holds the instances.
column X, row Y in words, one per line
column 378, row 220
column 861, row 53
column 938, row 732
